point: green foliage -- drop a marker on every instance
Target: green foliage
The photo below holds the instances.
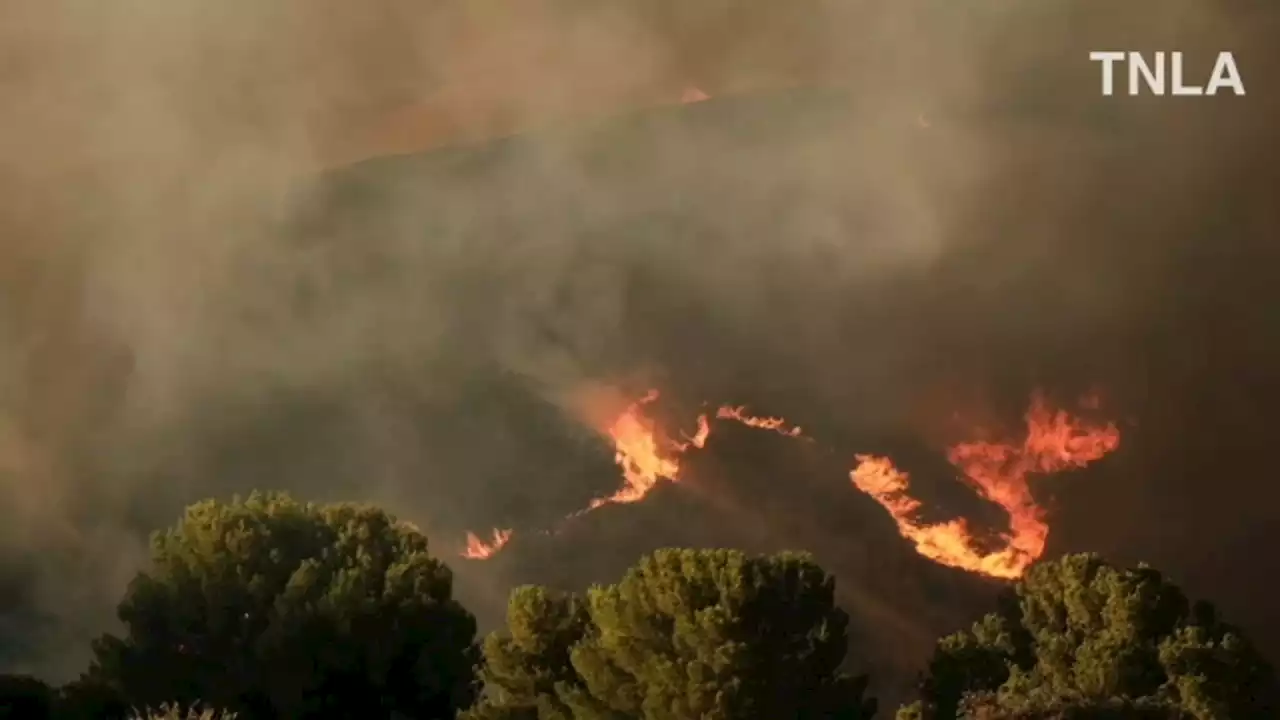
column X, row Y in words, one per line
column 272, row 608
column 711, row 634
column 25, row 698
column 989, row 706
column 1081, row 638
column 526, row 668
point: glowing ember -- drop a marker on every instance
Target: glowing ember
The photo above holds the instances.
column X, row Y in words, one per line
column 1055, row 442
column 478, row 549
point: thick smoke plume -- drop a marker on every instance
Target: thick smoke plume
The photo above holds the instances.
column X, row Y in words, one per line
column 196, row 299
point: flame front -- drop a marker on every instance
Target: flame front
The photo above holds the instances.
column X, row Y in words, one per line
column 646, row 457
column 478, row 549
column 1055, row 442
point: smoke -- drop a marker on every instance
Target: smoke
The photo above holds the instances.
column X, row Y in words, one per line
column 198, row 298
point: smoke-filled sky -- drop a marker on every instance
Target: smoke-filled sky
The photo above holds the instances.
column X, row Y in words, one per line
column 195, row 299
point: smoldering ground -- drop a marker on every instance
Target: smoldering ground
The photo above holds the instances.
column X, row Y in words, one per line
column 192, row 308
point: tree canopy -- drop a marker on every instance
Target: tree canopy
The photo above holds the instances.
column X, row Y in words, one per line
column 23, row 697
column 685, row 634
column 1079, row 638
column 267, row 608
column 271, row 608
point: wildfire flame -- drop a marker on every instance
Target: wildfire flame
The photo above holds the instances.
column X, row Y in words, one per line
column 776, row 424
column 699, row 438
column 478, row 549
column 644, row 455
column 1055, row 441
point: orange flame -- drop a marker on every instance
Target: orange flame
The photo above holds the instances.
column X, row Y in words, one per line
column 478, row 549
column 1055, row 441
column 699, row 438
column 776, row 424
column 644, row 455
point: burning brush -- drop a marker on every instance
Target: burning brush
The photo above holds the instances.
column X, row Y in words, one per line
column 998, row 471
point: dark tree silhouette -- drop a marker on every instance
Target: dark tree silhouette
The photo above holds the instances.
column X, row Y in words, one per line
column 23, row 697
column 685, row 634
column 1079, row 638
column 275, row 609
column 89, row 698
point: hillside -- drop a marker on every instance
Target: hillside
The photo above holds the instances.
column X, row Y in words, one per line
column 654, row 249
column 894, row 282
column 766, row 250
